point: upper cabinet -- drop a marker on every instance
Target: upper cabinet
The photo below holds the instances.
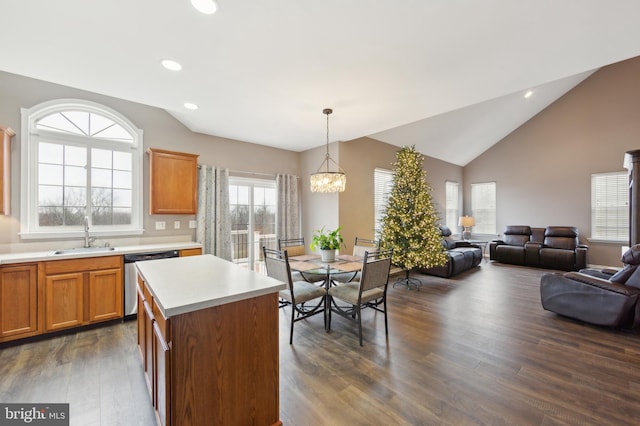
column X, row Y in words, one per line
column 173, row 182
column 5, row 170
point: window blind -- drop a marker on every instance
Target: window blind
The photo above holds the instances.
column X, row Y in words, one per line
column 610, row 206
column 382, row 183
column 452, row 204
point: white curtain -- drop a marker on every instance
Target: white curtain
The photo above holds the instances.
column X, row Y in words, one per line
column 214, row 220
column 288, row 214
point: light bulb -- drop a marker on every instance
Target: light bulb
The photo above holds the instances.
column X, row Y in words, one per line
column 207, row 7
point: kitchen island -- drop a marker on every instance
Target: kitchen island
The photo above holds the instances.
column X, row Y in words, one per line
column 208, row 337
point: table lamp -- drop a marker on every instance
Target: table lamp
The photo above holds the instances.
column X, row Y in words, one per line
column 466, row 222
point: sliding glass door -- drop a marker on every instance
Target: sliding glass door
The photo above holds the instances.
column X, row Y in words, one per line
column 253, row 219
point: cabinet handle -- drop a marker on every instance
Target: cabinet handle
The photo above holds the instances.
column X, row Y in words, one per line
column 141, row 293
column 149, row 312
column 158, row 333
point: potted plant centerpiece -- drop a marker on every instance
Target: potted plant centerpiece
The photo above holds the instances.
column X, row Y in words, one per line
column 328, row 242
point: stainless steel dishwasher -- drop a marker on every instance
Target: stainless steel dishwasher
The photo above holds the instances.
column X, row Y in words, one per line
column 131, row 278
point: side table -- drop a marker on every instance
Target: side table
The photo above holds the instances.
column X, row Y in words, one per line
column 483, row 245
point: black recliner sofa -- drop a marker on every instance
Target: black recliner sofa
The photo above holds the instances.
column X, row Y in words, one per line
column 462, row 256
column 599, row 297
column 553, row 247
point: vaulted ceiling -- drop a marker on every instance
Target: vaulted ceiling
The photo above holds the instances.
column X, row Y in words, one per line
column 448, row 76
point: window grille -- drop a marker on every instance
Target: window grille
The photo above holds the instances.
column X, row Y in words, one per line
column 80, row 159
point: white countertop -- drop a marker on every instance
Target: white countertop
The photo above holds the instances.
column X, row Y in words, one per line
column 186, row 284
column 9, row 258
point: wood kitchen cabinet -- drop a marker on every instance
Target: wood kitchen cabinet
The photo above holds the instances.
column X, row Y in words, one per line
column 173, row 182
column 82, row 291
column 5, row 169
column 63, row 300
column 191, row 252
column 20, row 293
column 153, row 338
column 105, row 294
column 173, row 370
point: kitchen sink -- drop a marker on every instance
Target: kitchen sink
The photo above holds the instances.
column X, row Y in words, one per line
column 83, row 250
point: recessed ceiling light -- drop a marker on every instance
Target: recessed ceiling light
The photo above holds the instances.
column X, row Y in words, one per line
column 528, row 94
column 170, row 64
column 205, row 6
column 191, row 106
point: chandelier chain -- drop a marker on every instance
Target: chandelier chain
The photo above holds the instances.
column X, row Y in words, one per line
column 327, row 181
column 327, row 111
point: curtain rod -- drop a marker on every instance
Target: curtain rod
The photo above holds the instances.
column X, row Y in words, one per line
column 273, row 175
column 245, row 172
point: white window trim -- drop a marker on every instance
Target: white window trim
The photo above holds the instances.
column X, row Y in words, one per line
column 28, row 211
column 595, row 238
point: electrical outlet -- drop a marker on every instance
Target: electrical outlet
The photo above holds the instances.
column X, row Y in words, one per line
column 193, row 224
column 161, row 226
column 176, row 224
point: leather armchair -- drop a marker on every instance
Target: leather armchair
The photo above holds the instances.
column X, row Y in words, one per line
column 562, row 250
column 590, row 297
column 461, row 256
column 512, row 248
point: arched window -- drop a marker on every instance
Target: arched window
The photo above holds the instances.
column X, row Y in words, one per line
column 81, row 161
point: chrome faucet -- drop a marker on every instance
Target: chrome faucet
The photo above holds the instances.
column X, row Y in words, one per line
column 87, row 241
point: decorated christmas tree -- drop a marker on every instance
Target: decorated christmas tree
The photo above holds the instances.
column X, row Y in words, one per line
column 410, row 221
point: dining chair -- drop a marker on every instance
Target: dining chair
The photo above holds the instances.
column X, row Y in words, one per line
column 295, row 247
column 361, row 245
column 369, row 292
column 297, row 293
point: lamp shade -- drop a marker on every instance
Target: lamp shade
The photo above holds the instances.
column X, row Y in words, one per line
column 328, row 182
column 466, row 221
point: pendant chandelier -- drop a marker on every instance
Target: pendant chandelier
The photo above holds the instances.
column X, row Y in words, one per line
column 324, row 180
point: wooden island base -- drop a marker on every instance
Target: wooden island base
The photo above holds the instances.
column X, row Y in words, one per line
column 216, row 365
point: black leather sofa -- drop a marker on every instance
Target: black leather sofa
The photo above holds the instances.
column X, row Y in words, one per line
column 553, row 247
column 462, row 256
column 599, row 297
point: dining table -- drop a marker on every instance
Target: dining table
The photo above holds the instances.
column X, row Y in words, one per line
column 312, row 265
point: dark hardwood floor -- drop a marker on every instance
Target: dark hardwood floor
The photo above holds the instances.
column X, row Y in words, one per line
column 475, row 349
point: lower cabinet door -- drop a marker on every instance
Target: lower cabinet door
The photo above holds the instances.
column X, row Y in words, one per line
column 18, row 302
column 64, row 301
column 105, row 295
